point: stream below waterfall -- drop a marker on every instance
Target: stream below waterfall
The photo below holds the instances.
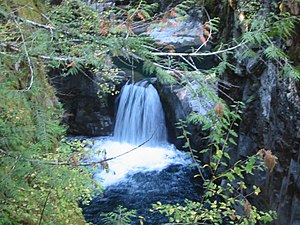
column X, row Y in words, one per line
column 138, row 177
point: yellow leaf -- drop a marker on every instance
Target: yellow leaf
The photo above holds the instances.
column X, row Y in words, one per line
column 171, row 211
column 281, row 7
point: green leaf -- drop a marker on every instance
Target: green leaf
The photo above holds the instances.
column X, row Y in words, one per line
column 226, row 155
column 230, row 176
column 250, row 165
column 232, row 141
column 233, row 133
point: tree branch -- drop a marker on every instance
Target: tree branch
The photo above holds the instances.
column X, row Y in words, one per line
column 27, row 56
column 6, row 45
column 44, row 206
column 71, row 163
column 57, row 58
column 210, row 32
column 34, row 23
column 198, row 54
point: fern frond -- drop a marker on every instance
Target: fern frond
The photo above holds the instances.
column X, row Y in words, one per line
column 196, row 118
column 214, row 24
column 247, row 53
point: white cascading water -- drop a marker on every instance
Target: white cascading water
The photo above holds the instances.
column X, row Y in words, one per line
column 140, row 116
column 140, row 119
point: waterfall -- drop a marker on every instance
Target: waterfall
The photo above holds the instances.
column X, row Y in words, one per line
column 137, row 177
column 140, row 116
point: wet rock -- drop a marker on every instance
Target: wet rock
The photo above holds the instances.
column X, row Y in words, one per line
column 178, row 102
column 255, row 65
column 245, row 143
column 184, row 33
column 100, row 6
column 86, row 113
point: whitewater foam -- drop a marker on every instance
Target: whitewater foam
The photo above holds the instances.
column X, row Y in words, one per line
column 125, row 163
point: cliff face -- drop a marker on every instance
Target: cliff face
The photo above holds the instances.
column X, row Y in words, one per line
column 271, row 120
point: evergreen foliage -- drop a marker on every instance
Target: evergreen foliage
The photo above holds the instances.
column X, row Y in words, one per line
column 31, row 134
column 267, row 33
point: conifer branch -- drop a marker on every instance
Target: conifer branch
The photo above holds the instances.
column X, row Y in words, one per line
column 51, row 29
column 10, row 171
column 34, row 23
column 5, row 53
column 44, row 57
column 11, row 47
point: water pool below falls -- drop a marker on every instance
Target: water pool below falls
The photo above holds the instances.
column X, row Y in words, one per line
column 156, row 171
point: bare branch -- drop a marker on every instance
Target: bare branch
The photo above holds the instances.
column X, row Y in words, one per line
column 71, row 163
column 51, row 28
column 210, row 32
column 27, row 56
column 198, row 54
column 189, row 63
column 58, row 58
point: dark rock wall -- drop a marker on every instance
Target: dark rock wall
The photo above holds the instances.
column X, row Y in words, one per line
column 272, row 121
column 85, row 112
column 177, row 107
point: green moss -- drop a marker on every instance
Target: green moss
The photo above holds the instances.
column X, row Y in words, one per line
column 29, row 9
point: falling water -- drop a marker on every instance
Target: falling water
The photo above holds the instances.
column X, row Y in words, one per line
column 140, row 116
column 140, row 121
column 140, row 175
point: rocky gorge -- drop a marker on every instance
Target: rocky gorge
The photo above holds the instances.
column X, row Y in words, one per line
column 270, row 120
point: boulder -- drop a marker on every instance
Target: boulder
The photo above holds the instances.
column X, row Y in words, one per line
column 179, row 35
column 178, row 102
